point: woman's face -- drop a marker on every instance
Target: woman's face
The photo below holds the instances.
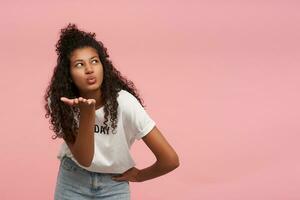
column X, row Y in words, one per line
column 86, row 69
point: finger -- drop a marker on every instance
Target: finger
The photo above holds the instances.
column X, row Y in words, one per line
column 66, row 100
column 81, row 100
column 76, row 100
column 92, row 101
column 120, row 178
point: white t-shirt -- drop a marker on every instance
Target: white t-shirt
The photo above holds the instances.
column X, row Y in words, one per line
column 112, row 150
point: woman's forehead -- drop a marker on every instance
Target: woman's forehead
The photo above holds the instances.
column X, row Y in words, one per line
column 84, row 53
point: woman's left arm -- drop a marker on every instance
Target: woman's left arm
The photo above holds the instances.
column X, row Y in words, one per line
column 166, row 159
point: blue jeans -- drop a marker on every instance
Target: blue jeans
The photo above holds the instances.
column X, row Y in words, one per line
column 76, row 183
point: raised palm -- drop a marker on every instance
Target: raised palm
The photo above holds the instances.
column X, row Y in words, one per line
column 81, row 102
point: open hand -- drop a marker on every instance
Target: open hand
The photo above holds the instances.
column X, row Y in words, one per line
column 129, row 175
column 81, row 102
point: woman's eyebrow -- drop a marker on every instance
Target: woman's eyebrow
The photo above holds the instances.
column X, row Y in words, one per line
column 82, row 60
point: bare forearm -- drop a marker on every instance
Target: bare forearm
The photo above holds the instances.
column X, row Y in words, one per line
column 84, row 144
column 155, row 170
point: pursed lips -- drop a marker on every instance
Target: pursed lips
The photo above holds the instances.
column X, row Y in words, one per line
column 91, row 78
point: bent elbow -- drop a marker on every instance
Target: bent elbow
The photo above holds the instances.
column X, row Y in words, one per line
column 173, row 163
column 176, row 164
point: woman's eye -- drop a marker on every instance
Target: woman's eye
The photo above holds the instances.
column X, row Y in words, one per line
column 95, row 60
column 78, row 64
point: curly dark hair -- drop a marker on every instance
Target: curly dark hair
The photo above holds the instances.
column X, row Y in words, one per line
column 63, row 119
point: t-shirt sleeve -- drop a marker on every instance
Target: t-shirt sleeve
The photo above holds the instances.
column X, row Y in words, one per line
column 138, row 121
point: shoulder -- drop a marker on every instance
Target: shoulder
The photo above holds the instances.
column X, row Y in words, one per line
column 129, row 104
column 125, row 93
column 126, row 98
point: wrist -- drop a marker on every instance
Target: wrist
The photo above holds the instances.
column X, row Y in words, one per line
column 139, row 177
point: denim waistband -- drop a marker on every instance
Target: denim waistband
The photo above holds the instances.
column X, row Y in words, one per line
column 70, row 164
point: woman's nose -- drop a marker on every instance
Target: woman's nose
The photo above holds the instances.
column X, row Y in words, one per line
column 88, row 68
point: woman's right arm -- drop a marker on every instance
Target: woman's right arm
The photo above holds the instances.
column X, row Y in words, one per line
column 83, row 147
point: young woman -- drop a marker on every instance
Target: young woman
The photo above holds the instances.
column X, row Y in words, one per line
column 99, row 115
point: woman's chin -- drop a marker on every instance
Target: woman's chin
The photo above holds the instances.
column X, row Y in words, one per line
column 91, row 88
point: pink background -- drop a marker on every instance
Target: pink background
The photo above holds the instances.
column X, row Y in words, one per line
column 221, row 80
